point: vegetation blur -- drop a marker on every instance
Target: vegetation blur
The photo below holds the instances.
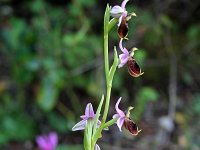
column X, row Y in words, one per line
column 51, row 66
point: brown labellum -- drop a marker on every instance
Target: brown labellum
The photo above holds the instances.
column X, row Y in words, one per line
column 131, row 126
column 123, row 28
column 133, row 68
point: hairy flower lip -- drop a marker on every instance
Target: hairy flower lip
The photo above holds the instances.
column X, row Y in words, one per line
column 133, row 68
column 131, row 126
column 123, row 29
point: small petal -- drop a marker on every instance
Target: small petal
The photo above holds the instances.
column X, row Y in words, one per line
column 119, row 21
column 116, row 116
column 123, row 60
column 80, row 125
column 120, row 112
column 84, row 117
column 123, row 49
column 116, row 11
column 120, row 122
column 124, row 4
column 127, row 112
column 97, row 147
column 53, row 138
column 89, row 112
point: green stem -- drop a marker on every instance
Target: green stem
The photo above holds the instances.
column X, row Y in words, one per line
column 109, row 123
column 108, row 73
column 109, row 86
column 106, row 59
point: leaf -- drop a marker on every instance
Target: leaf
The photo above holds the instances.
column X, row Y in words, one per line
column 196, row 105
column 16, row 126
column 62, row 124
column 145, row 95
column 140, row 56
column 47, row 95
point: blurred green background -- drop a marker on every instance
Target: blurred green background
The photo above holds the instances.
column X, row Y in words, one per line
column 51, row 66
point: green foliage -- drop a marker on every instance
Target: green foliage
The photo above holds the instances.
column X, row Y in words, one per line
column 140, row 56
column 50, row 57
column 193, row 34
column 46, row 57
column 196, row 105
column 62, row 124
column 47, row 95
column 15, row 124
column 69, row 147
column 143, row 97
column 16, row 127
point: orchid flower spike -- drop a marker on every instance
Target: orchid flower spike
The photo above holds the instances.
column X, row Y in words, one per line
column 124, row 119
column 47, row 142
column 119, row 11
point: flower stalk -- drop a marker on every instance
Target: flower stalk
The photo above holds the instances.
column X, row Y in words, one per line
column 90, row 122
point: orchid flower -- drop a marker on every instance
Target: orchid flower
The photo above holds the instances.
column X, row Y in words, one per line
column 120, row 115
column 127, row 58
column 47, row 142
column 89, row 114
column 124, row 119
column 124, row 57
column 119, row 11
